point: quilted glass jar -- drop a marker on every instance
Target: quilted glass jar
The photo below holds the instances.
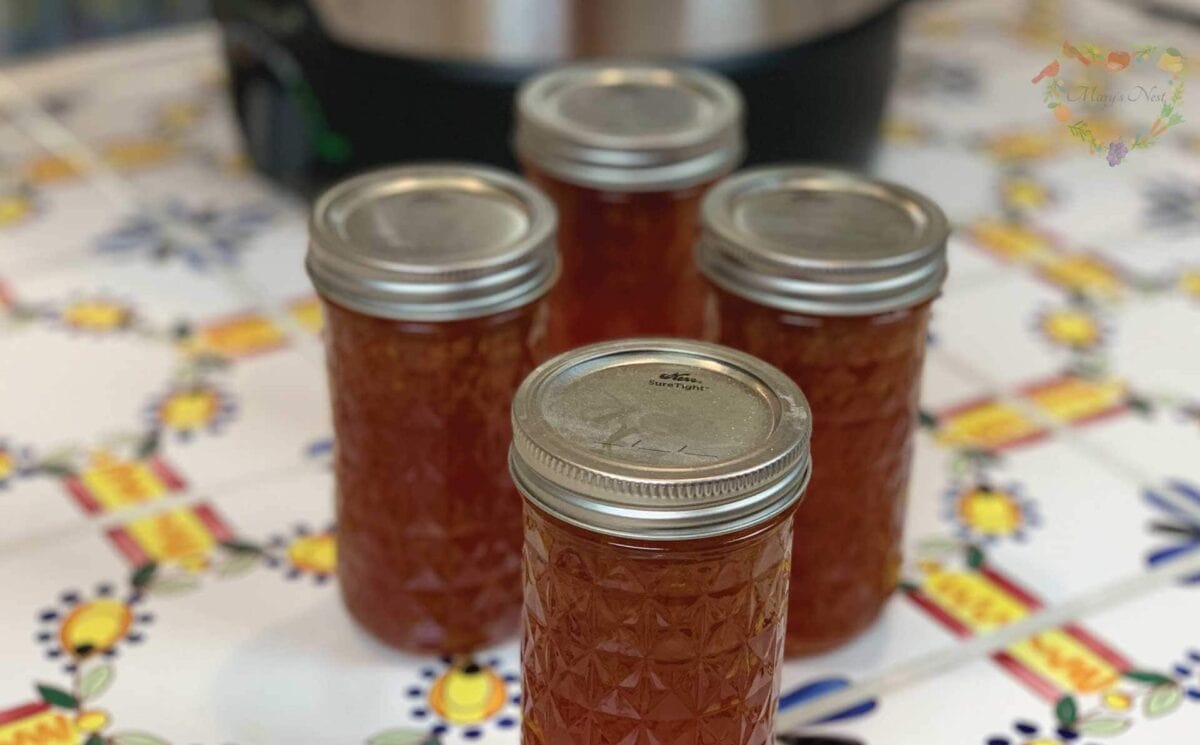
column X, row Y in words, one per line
column 432, row 278
column 830, row 276
column 626, row 151
column 660, row 480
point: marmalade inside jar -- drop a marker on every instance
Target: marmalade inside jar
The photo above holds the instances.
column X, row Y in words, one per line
column 429, row 523
column 627, row 266
column 672, row 643
column 861, row 376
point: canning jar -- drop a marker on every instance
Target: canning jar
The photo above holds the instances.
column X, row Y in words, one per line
column 829, row 276
column 660, row 477
column 432, row 278
column 626, row 151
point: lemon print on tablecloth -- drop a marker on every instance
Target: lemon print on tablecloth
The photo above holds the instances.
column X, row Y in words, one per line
column 905, row 132
column 177, row 117
column 92, row 720
column 139, row 153
column 1012, row 241
column 1021, row 193
column 95, row 625
column 304, row 553
column 1026, row 145
column 51, row 169
column 186, row 410
column 1117, row 700
column 307, row 312
column 1085, row 274
column 8, row 465
column 1071, row 327
column 97, row 315
column 1189, row 282
column 190, row 409
column 82, row 627
column 315, row 554
column 121, row 154
column 989, row 513
column 15, row 208
column 466, row 696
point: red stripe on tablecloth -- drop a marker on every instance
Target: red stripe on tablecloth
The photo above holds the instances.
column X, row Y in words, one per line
column 168, row 475
column 1011, row 587
column 127, row 546
column 213, row 522
column 967, row 405
column 939, row 614
column 1041, row 686
column 1100, row 416
column 81, row 495
column 21, row 712
column 1031, row 679
column 1102, row 650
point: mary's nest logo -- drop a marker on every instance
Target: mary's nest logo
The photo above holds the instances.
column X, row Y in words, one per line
column 1114, row 101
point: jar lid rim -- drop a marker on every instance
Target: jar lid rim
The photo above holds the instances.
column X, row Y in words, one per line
column 432, row 241
column 822, row 240
column 624, row 140
column 660, row 439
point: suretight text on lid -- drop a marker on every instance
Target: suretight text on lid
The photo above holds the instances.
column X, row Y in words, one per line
column 661, row 439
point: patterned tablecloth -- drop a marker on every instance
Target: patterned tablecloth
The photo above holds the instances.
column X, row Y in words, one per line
column 166, row 535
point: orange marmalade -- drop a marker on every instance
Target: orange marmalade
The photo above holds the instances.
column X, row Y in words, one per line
column 626, row 152
column 432, row 278
column 660, row 479
column 829, row 276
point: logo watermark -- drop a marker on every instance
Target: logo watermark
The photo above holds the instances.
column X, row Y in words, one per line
column 1162, row 100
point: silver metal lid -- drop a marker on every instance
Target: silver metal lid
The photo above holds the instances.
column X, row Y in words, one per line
column 632, row 127
column 432, row 242
column 822, row 241
column 660, row 439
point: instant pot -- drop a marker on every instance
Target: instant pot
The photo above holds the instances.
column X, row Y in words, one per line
column 327, row 87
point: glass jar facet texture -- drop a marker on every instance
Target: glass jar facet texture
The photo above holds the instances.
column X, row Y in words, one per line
column 861, row 375
column 429, row 523
column 627, row 266
column 673, row 643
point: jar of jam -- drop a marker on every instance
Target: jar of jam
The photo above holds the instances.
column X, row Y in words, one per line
column 432, row 278
column 626, row 152
column 829, row 276
column 660, row 477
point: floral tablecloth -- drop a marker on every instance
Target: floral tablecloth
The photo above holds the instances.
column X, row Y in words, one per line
column 166, row 528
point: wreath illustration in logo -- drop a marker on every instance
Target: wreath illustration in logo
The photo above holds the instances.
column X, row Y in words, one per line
column 1054, row 95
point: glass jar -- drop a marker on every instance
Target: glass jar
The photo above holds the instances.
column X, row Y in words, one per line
column 626, row 152
column 829, row 276
column 432, row 278
column 660, row 478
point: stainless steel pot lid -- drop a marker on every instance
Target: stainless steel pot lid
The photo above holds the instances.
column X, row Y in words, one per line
column 522, row 32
